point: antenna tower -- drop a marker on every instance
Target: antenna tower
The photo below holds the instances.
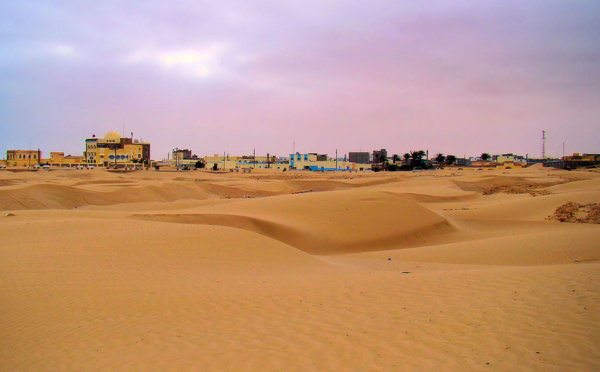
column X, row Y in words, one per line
column 543, row 144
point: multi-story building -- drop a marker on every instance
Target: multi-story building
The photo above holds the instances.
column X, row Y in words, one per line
column 359, row 157
column 116, row 151
column 183, row 154
column 23, row 158
column 380, row 156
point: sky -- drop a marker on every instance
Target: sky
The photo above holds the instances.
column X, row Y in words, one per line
column 456, row 77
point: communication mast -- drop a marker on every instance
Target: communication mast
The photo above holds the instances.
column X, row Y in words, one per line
column 543, row 144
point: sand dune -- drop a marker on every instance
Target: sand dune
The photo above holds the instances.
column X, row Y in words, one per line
column 326, row 223
column 297, row 271
column 118, row 191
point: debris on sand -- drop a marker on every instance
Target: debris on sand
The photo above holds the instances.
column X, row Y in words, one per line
column 577, row 213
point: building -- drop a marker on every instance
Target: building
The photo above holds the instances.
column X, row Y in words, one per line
column 508, row 161
column 359, row 157
column 113, row 150
column 227, row 162
column 58, row 159
column 380, row 156
column 23, row 158
column 576, row 160
column 183, row 154
column 462, row 161
column 311, row 162
column 509, row 158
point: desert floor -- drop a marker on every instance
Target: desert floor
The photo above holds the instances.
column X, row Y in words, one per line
column 450, row 270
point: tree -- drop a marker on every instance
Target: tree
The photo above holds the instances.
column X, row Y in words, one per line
column 440, row 157
column 200, row 164
column 485, row 156
column 417, row 158
column 385, row 164
column 406, row 157
column 395, row 158
column 450, row 159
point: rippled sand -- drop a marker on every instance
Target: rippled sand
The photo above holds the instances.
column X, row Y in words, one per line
column 450, row 270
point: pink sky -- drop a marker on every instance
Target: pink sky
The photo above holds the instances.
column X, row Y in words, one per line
column 460, row 77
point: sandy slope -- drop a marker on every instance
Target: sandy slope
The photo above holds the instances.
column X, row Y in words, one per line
column 297, row 271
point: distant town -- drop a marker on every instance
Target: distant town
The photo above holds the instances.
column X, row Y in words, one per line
column 115, row 152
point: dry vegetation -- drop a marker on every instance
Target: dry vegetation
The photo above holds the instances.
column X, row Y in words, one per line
column 577, row 213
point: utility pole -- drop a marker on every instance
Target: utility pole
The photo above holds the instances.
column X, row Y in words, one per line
column 223, row 160
column 336, row 159
column 254, row 157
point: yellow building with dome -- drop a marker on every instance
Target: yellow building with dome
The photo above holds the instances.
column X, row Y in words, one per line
column 116, row 151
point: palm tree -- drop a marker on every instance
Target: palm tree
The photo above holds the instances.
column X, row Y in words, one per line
column 395, row 158
column 485, row 156
column 450, row 159
column 417, row 158
column 406, row 157
column 440, row 157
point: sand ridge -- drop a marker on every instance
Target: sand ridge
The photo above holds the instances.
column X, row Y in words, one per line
column 297, row 271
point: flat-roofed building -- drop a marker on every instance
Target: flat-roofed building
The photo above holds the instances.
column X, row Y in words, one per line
column 23, row 158
column 58, row 159
column 311, row 162
column 359, row 157
column 380, row 156
column 580, row 160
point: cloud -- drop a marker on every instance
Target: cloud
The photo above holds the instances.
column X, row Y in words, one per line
column 189, row 63
column 360, row 74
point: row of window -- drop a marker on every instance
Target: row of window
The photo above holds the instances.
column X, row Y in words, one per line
column 119, row 157
column 21, row 156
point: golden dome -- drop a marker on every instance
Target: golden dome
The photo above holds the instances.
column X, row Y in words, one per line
column 112, row 136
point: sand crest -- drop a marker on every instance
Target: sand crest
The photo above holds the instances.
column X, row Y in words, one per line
column 298, row 271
